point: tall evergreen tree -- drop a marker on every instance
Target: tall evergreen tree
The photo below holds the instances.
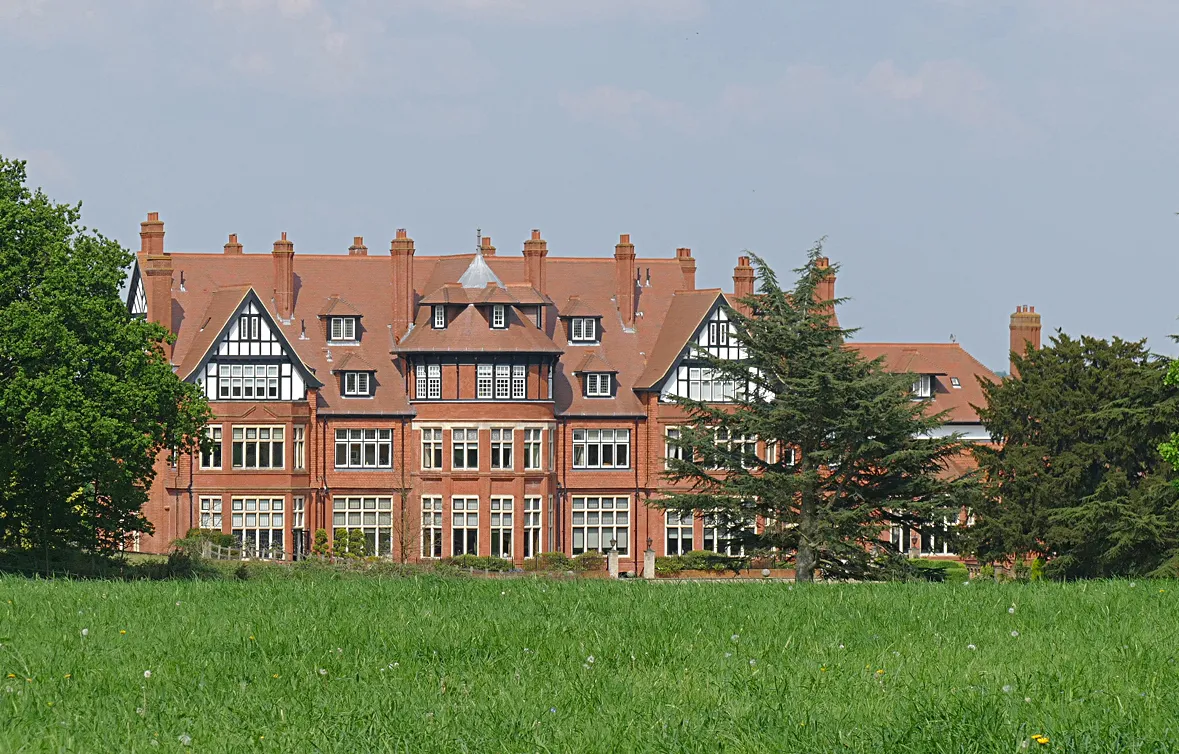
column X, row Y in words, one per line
column 854, row 451
column 1076, row 475
column 88, row 399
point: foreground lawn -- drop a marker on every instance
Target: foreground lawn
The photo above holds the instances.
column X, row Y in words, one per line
column 429, row 664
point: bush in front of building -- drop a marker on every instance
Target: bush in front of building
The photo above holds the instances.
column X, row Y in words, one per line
column 549, row 561
column 479, row 563
column 588, row 562
column 700, row 560
column 319, row 545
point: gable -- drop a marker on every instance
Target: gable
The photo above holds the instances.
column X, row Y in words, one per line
column 136, row 295
column 248, row 358
column 689, row 375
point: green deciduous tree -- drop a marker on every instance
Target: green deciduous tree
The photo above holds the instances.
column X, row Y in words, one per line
column 1077, row 475
column 88, row 399
column 1170, row 448
column 864, row 459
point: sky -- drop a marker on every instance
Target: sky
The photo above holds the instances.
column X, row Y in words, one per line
column 960, row 157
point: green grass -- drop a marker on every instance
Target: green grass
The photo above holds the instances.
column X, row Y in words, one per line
column 359, row 664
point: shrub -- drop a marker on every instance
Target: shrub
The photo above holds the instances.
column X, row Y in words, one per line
column 320, row 544
column 549, row 561
column 712, row 562
column 669, row 565
column 1036, row 573
column 588, row 561
column 479, row 563
column 340, row 543
column 357, row 544
column 937, row 570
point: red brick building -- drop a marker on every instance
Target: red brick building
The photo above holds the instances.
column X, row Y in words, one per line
column 465, row 403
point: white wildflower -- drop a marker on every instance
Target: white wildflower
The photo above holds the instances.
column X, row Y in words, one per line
column 752, row 663
column 184, row 739
column 85, row 632
column 734, row 637
column 1011, row 609
column 1007, row 689
column 971, row 647
column 1015, row 634
column 322, row 671
column 147, row 674
column 590, row 659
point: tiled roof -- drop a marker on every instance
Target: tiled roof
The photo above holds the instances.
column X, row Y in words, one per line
column 469, row 332
column 336, row 306
column 685, row 315
column 593, row 362
column 221, row 304
column 947, row 361
column 576, row 307
column 352, row 362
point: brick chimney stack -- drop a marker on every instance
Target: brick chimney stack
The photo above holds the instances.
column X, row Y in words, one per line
column 401, row 250
column 688, row 267
column 742, row 282
column 485, row 247
column 535, row 251
column 825, row 291
column 284, row 278
column 1025, row 333
column 624, row 279
column 156, row 265
column 358, row 249
column 233, row 247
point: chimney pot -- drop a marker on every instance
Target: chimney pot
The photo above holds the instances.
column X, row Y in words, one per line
column 1025, row 333
column 233, row 237
column 233, row 247
column 535, row 234
column 284, row 278
column 624, row 238
column 401, row 233
column 535, row 251
column 687, row 267
column 153, row 217
column 284, row 235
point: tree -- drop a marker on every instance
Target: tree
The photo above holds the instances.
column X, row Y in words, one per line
column 1076, row 475
column 862, row 458
column 88, row 400
column 1170, row 448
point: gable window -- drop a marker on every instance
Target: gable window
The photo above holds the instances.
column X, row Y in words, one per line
column 364, row 448
column 211, row 459
column 499, row 319
column 258, row 447
column 249, row 327
column 358, row 384
column 601, row 448
column 343, row 328
column 923, row 386
column 583, row 330
column 248, row 382
column 439, row 317
column 597, row 384
column 718, row 333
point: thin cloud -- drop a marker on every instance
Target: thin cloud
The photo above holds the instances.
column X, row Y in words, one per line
column 625, row 110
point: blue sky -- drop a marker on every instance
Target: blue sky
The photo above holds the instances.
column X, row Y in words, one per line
column 961, row 156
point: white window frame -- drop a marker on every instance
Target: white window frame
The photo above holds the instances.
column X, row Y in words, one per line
column 592, row 446
column 533, row 527
column 720, row 535
column 671, row 450
column 364, row 448
column 533, row 449
column 433, row 531
column 299, row 447
column 464, row 446
column 502, row 515
column 257, row 436
column 248, row 382
column 342, row 330
column 503, row 442
column 599, row 518
column 679, row 536
column 598, row 384
column 262, row 517
column 210, row 512
column 434, row 381
column 484, row 381
column 358, row 384
column 433, row 457
column 439, row 317
column 213, row 460
column 499, row 317
column 519, row 382
column 923, row 387
column 372, row 514
column 583, row 330
column 464, row 526
column 503, row 382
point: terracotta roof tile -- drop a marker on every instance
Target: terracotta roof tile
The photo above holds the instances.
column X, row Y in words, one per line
column 593, row 362
column 948, row 361
column 685, row 315
column 576, row 307
column 352, row 362
column 339, row 307
column 470, row 332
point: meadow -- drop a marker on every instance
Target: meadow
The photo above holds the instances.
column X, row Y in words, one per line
column 323, row 663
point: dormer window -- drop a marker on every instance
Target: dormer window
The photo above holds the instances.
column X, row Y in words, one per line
column 583, row 330
column 597, row 384
column 955, row 383
column 358, row 384
column 923, row 387
column 342, row 329
column 439, row 317
column 499, row 317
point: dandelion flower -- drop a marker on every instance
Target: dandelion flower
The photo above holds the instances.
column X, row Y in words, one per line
column 68, row 676
column 275, row 675
column 1015, row 634
column 85, row 632
column 48, row 704
column 147, row 674
column 822, row 669
column 251, row 638
column 880, row 671
column 122, row 631
column 1132, row 585
column 12, row 675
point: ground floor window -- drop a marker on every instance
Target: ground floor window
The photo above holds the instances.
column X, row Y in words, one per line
column 600, row 523
column 464, row 526
column 258, row 526
column 532, row 527
column 432, row 527
column 371, row 515
column 211, row 513
column 299, row 544
column 501, row 527
column 725, row 536
column 678, row 528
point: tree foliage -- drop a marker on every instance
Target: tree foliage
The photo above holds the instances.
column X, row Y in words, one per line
column 88, row 399
column 864, row 459
column 1076, row 474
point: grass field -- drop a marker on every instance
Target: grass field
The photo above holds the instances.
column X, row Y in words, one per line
column 357, row 664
